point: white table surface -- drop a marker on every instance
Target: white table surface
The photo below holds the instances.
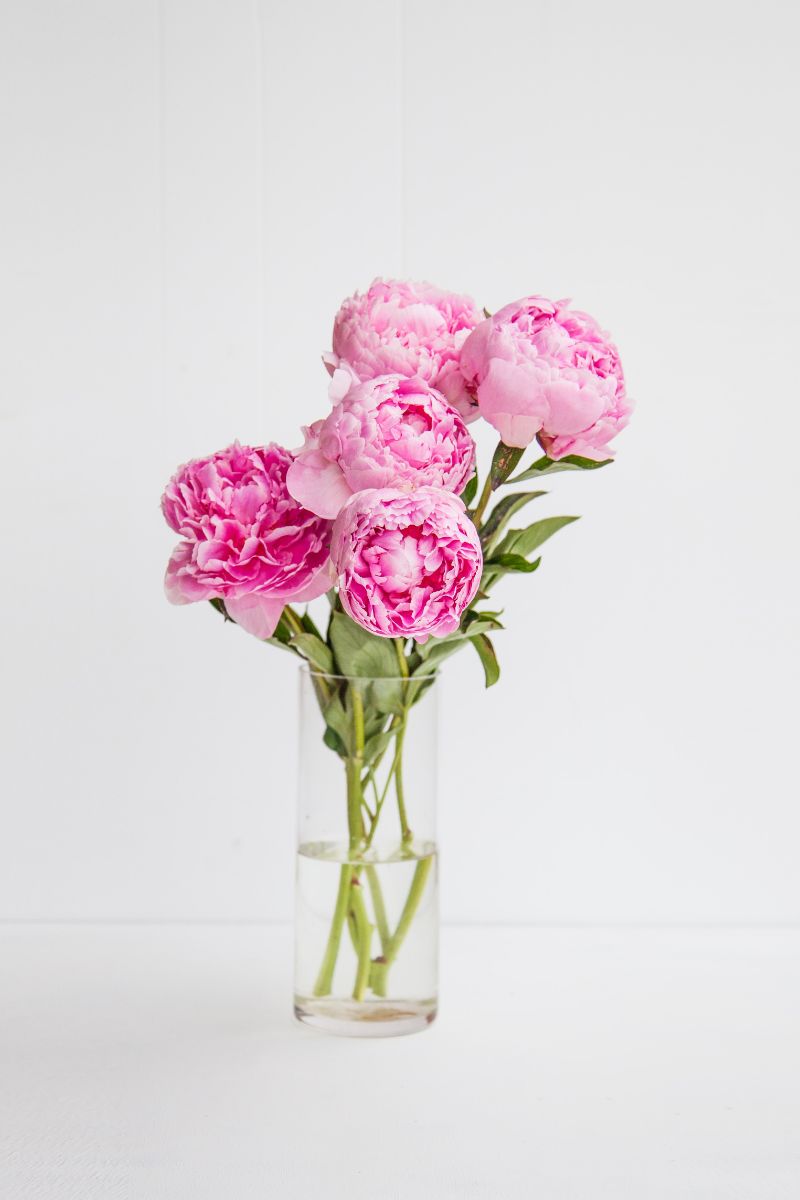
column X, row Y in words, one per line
column 151, row 1062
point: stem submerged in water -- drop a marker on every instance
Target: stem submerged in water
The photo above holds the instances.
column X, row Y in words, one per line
column 325, row 978
column 380, row 968
column 363, row 938
column 350, row 905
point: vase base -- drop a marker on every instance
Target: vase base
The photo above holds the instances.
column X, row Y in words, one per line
column 368, row 1018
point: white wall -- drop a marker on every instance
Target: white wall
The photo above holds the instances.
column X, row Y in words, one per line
column 189, row 190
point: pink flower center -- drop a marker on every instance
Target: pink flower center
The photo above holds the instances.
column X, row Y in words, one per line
column 399, row 561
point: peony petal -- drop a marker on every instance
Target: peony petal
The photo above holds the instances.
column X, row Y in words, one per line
column 256, row 614
column 342, row 379
column 322, row 582
column 573, row 404
column 511, row 400
column 177, row 584
column 318, row 484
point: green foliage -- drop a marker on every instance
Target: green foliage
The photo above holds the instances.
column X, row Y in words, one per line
column 219, row 605
column 313, row 649
column 436, row 651
column 388, row 695
column 375, row 745
column 502, row 513
column 486, row 653
column 504, row 461
column 470, row 491
column 358, row 652
column 549, row 466
column 309, row 625
column 514, row 562
column 524, row 541
column 339, row 732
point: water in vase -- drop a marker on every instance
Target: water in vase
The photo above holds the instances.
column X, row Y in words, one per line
column 366, row 938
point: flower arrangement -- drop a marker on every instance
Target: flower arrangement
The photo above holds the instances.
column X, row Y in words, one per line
column 382, row 509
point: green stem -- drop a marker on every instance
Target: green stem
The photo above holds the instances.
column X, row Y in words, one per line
column 402, row 661
column 363, row 939
column 352, row 928
column 324, row 982
column 484, row 500
column 354, row 819
column 320, row 686
column 380, row 969
column 353, row 769
column 421, row 873
column 405, row 829
column 380, row 799
column 292, row 619
column 378, row 906
column 348, row 878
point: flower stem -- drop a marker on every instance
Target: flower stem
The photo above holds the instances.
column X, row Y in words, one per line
column 400, row 651
column 324, row 982
column 353, row 769
column 292, row 619
column 378, row 906
column 380, row 969
column 363, row 939
column 347, row 905
column 477, row 515
column 397, row 767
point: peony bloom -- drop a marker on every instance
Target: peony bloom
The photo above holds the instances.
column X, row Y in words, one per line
column 387, row 432
column 246, row 540
column 539, row 369
column 407, row 329
column 408, row 563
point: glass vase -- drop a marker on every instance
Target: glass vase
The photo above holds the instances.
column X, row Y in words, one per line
column 366, row 915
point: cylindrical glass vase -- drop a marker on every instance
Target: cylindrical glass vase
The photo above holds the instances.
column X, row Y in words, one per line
column 366, row 916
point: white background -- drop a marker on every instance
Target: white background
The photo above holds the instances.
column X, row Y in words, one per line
column 189, row 190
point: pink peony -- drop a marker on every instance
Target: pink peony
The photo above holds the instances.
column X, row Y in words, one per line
column 387, row 432
column 539, row 369
column 405, row 329
column 246, row 540
column 408, row 563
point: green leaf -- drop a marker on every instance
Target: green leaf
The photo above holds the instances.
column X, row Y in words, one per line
column 282, row 637
column 477, row 627
column 514, row 562
column 283, row 632
column 219, row 605
column 469, row 492
column 549, row 466
column 376, row 745
column 418, row 687
column 388, row 696
column 337, row 720
column 491, row 667
column 309, row 626
column 315, row 650
column 439, row 650
column 332, row 740
column 473, row 614
column 524, row 541
column 502, row 513
column 474, row 622
column 359, row 653
column 504, row 461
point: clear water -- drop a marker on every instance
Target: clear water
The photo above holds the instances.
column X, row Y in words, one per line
column 378, row 976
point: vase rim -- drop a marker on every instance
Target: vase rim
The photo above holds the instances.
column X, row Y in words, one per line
column 305, row 669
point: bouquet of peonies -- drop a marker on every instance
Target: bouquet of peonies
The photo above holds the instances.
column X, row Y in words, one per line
column 382, row 510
